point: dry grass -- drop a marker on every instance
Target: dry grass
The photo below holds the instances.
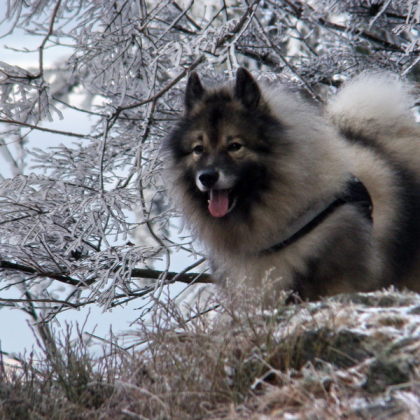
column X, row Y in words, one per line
column 352, row 357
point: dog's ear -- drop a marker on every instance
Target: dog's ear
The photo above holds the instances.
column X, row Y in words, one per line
column 194, row 91
column 246, row 88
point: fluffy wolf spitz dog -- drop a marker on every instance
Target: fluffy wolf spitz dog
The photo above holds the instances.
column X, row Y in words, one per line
column 320, row 201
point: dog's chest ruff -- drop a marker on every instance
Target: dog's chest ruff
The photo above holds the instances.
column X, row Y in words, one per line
column 354, row 193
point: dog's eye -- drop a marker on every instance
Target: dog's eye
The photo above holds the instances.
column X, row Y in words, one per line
column 198, row 149
column 234, row 147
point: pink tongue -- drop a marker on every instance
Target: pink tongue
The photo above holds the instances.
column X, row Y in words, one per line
column 219, row 203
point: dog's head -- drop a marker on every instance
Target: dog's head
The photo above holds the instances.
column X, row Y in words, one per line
column 221, row 148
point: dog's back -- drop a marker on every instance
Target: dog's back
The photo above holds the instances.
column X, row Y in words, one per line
column 373, row 112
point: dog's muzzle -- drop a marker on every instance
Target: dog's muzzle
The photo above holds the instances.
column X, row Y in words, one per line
column 219, row 187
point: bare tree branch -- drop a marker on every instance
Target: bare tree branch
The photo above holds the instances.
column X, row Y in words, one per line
column 47, row 130
column 135, row 273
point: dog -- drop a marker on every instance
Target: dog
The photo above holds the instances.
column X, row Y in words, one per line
column 281, row 191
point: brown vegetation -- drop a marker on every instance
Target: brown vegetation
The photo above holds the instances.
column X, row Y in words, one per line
column 352, row 357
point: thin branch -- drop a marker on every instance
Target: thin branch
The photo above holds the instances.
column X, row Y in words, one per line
column 196, row 25
column 36, row 300
column 389, row 46
column 176, row 20
column 382, row 11
column 240, row 25
column 48, row 130
column 169, row 86
column 44, row 42
column 7, row 265
column 96, row 114
column 143, row 273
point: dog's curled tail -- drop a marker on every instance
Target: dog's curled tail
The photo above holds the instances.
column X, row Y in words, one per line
column 374, row 102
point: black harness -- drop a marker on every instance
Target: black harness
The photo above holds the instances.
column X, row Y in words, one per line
column 354, row 193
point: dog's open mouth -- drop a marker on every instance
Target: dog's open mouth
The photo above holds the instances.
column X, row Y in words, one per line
column 220, row 204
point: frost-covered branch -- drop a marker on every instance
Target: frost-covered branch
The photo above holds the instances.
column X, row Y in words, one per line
column 135, row 273
column 40, row 128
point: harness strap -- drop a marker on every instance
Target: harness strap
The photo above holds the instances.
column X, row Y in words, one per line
column 354, row 193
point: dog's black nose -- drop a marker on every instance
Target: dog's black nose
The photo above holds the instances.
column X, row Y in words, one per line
column 209, row 177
